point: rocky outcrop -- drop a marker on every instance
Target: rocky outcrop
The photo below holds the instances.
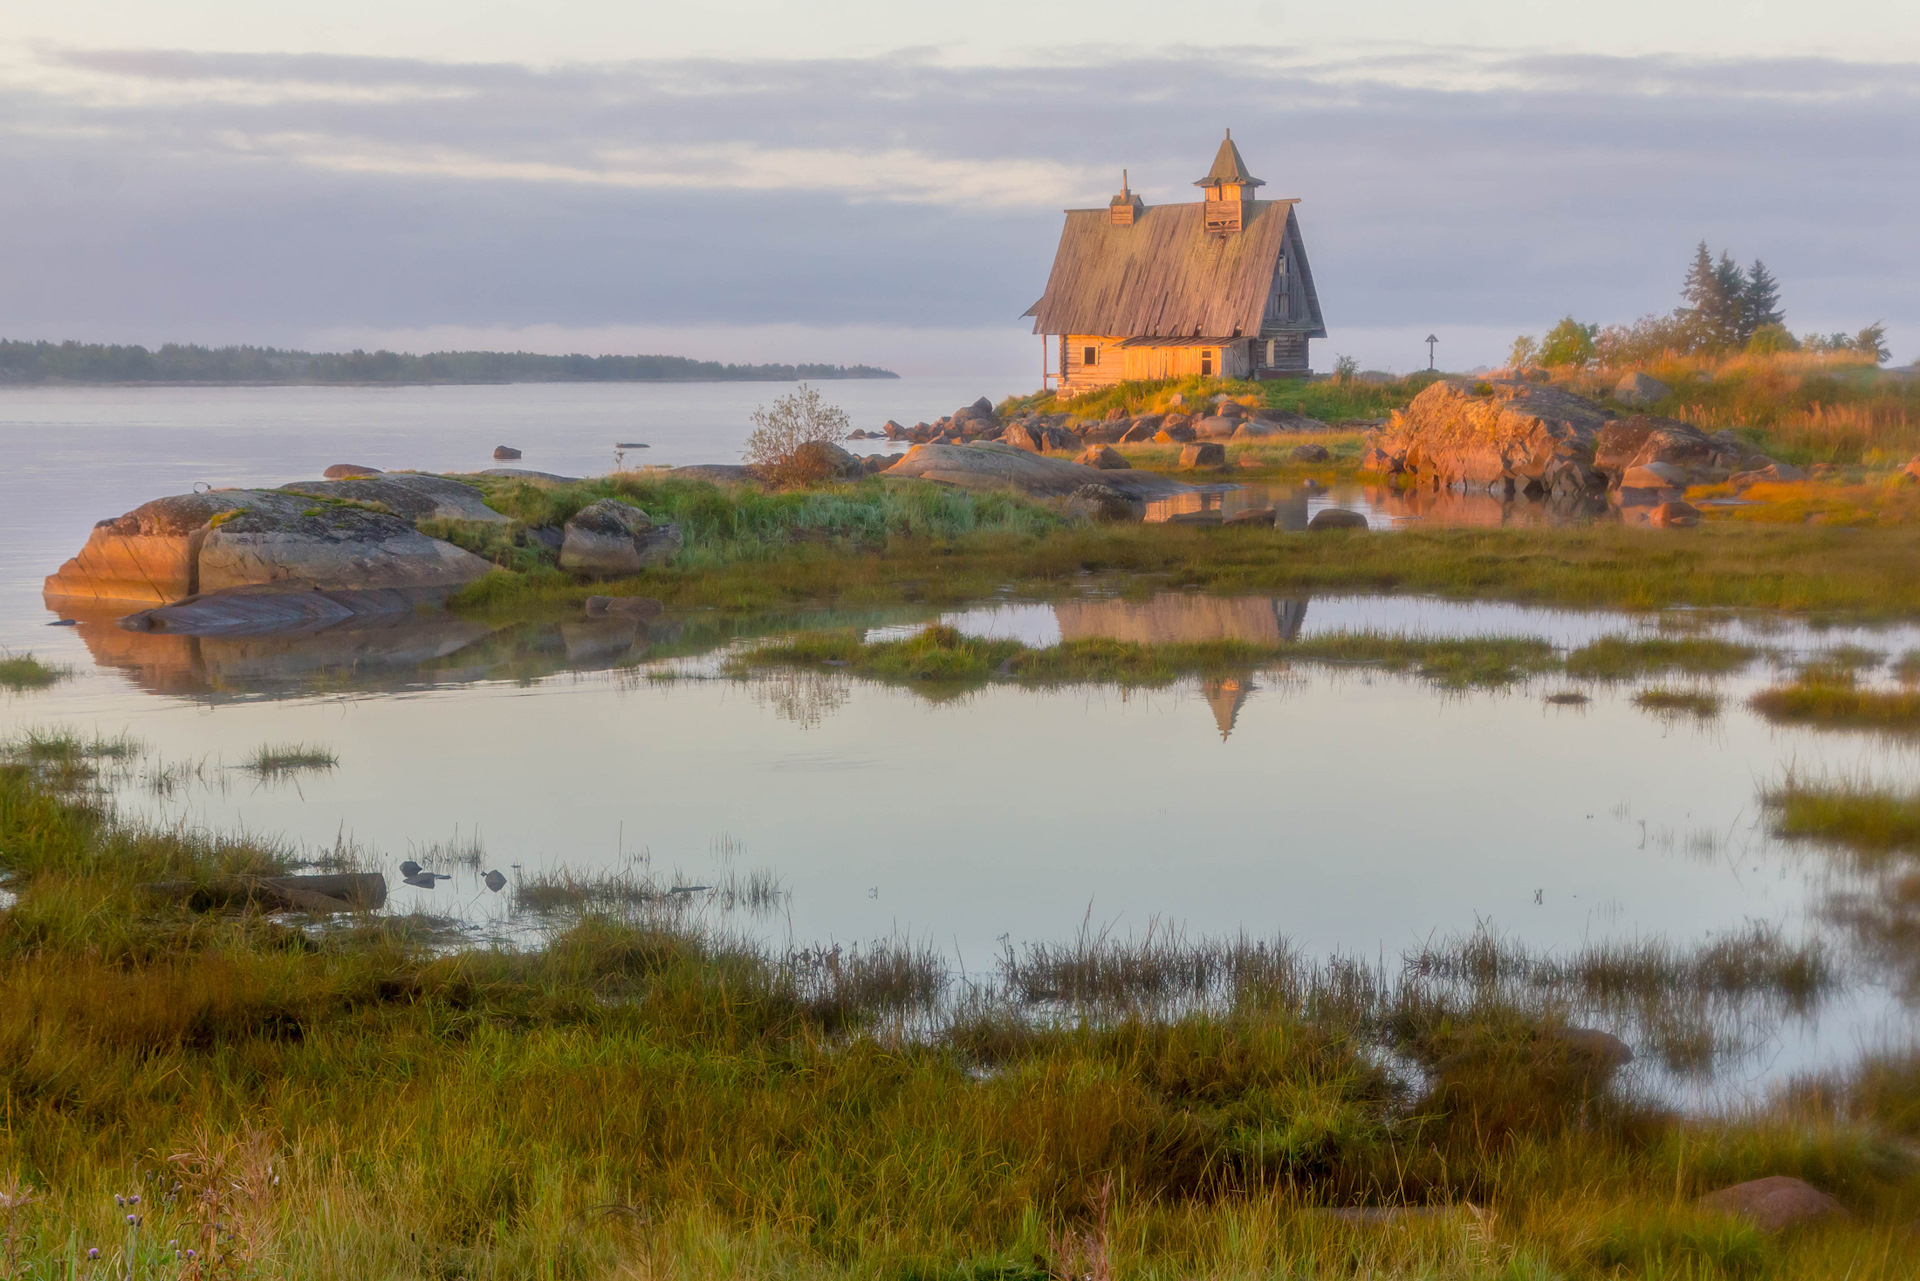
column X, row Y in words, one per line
column 612, row 539
column 341, row 471
column 1514, row 435
column 172, row 548
column 1523, row 438
column 989, row 465
column 824, row 458
column 505, row 453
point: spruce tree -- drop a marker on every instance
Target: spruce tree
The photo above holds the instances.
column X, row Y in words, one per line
column 1759, row 301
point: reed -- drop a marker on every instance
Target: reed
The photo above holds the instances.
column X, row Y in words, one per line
column 1699, row 704
column 283, row 760
column 1830, row 698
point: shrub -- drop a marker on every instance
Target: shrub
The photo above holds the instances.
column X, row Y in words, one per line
column 1569, row 343
column 785, row 444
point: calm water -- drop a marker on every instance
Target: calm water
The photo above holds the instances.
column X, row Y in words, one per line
column 1347, row 810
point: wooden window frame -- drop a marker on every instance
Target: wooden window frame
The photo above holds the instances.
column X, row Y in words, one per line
column 1089, row 357
column 1206, row 362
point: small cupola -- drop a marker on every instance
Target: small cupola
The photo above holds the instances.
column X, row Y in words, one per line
column 1228, row 186
column 1125, row 206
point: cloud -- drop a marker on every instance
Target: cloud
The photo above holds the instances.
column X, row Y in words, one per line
column 183, row 194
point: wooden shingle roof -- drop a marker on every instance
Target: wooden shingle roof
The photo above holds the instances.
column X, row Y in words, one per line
column 1164, row 276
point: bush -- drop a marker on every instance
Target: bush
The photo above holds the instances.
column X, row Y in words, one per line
column 1569, row 343
column 785, row 444
column 1771, row 340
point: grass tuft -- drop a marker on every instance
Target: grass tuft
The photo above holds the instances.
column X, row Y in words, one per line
column 1700, row 704
column 1830, row 698
column 1620, row 658
column 22, row 672
column 281, row 760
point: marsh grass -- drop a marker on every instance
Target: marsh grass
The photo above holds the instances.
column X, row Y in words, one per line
column 1863, row 574
column 456, row 851
column 23, row 672
column 1867, row 819
column 1621, row 658
column 284, row 760
column 643, row 1096
column 1830, row 698
column 1697, row 703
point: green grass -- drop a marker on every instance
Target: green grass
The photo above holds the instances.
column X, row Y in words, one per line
column 1863, row 574
column 1454, row 662
column 1701, row 704
column 279, row 760
column 22, row 672
column 643, row 1097
column 1619, row 658
column 1829, row 698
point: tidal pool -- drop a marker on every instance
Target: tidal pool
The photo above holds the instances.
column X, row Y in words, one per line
column 1348, row 810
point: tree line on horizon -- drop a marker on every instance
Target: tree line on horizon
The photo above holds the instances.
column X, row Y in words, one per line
column 1724, row 311
column 42, row 361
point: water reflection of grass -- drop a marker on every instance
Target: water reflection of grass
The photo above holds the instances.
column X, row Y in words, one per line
column 943, row 656
column 371, row 1103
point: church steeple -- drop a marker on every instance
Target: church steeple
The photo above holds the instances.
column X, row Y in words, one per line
column 1228, row 185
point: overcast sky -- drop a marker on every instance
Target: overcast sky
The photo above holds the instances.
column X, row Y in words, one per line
column 857, row 182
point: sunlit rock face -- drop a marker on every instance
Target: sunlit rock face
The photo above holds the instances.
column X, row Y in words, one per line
column 1175, row 617
column 337, row 535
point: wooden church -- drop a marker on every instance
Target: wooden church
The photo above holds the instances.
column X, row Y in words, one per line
column 1219, row 287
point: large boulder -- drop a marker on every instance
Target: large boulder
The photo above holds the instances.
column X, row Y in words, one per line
column 172, row 548
column 1639, row 390
column 1640, row 441
column 611, row 539
column 1774, row 1203
column 1103, row 457
column 1101, row 502
column 1310, row 454
column 824, row 458
column 1219, row 427
column 1206, row 453
column 333, row 547
column 986, row 466
column 1654, row 476
column 1337, row 518
column 1512, row 433
column 1174, row 434
column 1021, row 436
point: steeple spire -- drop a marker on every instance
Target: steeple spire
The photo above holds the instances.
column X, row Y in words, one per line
column 1227, row 185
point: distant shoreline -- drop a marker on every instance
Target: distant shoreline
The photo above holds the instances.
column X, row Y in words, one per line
column 77, row 364
column 6, row 385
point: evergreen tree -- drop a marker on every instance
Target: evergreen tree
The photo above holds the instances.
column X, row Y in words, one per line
column 1759, row 302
